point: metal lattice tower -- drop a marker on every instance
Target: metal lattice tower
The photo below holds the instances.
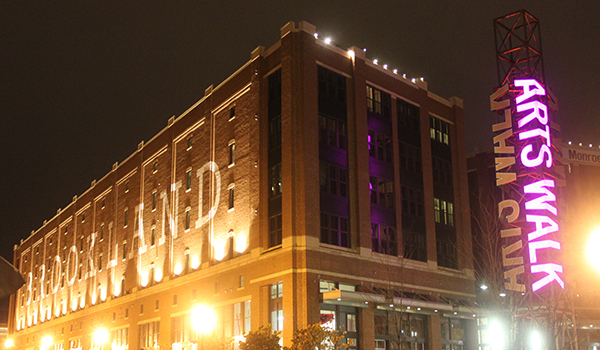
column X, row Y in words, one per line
column 518, row 48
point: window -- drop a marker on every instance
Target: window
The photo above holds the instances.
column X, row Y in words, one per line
column 382, row 192
column 275, row 132
column 156, row 305
column 332, row 132
column 412, row 201
column 127, row 187
column 81, row 244
column 80, row 271
column 103, row 203
column 141, row 309
column 439, row 130
column 126, row 218
column 331, row 85
column 442, row 171
column 154, row 199
column 231, row 197
column 453, row 333
column 415, row 246
column 333, row 179
column 408, row 115
column 275, row 180
column 232, row 153
column 410, row 157
column 120, row 337
column 83, row 217
column 153, row 236
column 241, row 282
column 124, row 250
column 100, row 262
column 276, row 306
column 101, row 231
column 188, row 175
column 383, row 239
column 174, row 299
column 149, row 334
column 189, row 143
column 334, row 230
column 446, row 253
column 444, row 212
column 231, row 113
column 155, row 167
column 380, row 146
column 379, row 102
column 187, row 218
column 275, row 227
column 241, row 315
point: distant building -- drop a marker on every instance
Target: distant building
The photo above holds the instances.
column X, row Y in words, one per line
column 312, row 185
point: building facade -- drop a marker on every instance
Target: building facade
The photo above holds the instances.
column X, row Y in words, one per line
column 312, row 185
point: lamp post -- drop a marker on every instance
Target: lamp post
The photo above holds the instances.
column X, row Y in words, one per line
column 203, row 320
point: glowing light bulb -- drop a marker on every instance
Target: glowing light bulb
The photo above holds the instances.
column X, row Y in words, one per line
column 327, row 41
column 375, row 61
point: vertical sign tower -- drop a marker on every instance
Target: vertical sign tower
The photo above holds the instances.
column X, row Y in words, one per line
column 526, row 157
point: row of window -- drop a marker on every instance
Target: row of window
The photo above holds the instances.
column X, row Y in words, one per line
column 380, row 146
column 332, row 132
column 333, row 179
column 382, row 192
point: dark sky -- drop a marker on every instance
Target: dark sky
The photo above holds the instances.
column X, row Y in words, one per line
column 83, row 82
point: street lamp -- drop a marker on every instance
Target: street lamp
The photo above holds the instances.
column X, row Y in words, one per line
column 592, row 249
column 9, row 343
column 46, row 342
column 203, row 319
column 100, row 336
column 496, row 335
column 536, row 341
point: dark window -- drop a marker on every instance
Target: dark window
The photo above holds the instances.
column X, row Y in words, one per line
column 232, row 153
column 415, row 246
column 412, row 201
column 101, row 231
column 410, row 157
column 332, row 85
column 153, row 236
column 275, row 180
column 275, row 132
column 154, row 199
column 382, row 192
column 275, row 226
column 379, row 102
column 126, row 217
column 380, row 146
column 124, row 250
column 189, row 179
column 442, row 171
column 408, row 115
column 187, row 219
column 155, row 166
column 332, row 132
column 231, row 197
column 333, row 179
column 334, row 230
column 189, row 142
column 446, row 254
column 231, row 113
column 383, row 239
column 439, row 130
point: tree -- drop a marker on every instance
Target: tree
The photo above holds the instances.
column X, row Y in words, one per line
column 264, row 338
column 315, row 336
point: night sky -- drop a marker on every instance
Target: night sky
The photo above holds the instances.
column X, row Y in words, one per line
column 83, row 82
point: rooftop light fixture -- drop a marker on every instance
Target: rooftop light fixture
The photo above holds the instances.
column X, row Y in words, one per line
column 375, row 61
column 327, row 41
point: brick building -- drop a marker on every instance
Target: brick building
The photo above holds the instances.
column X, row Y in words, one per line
column 312, row 185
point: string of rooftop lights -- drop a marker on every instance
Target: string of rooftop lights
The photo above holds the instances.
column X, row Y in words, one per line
column 581, row 144
column 375, row 61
